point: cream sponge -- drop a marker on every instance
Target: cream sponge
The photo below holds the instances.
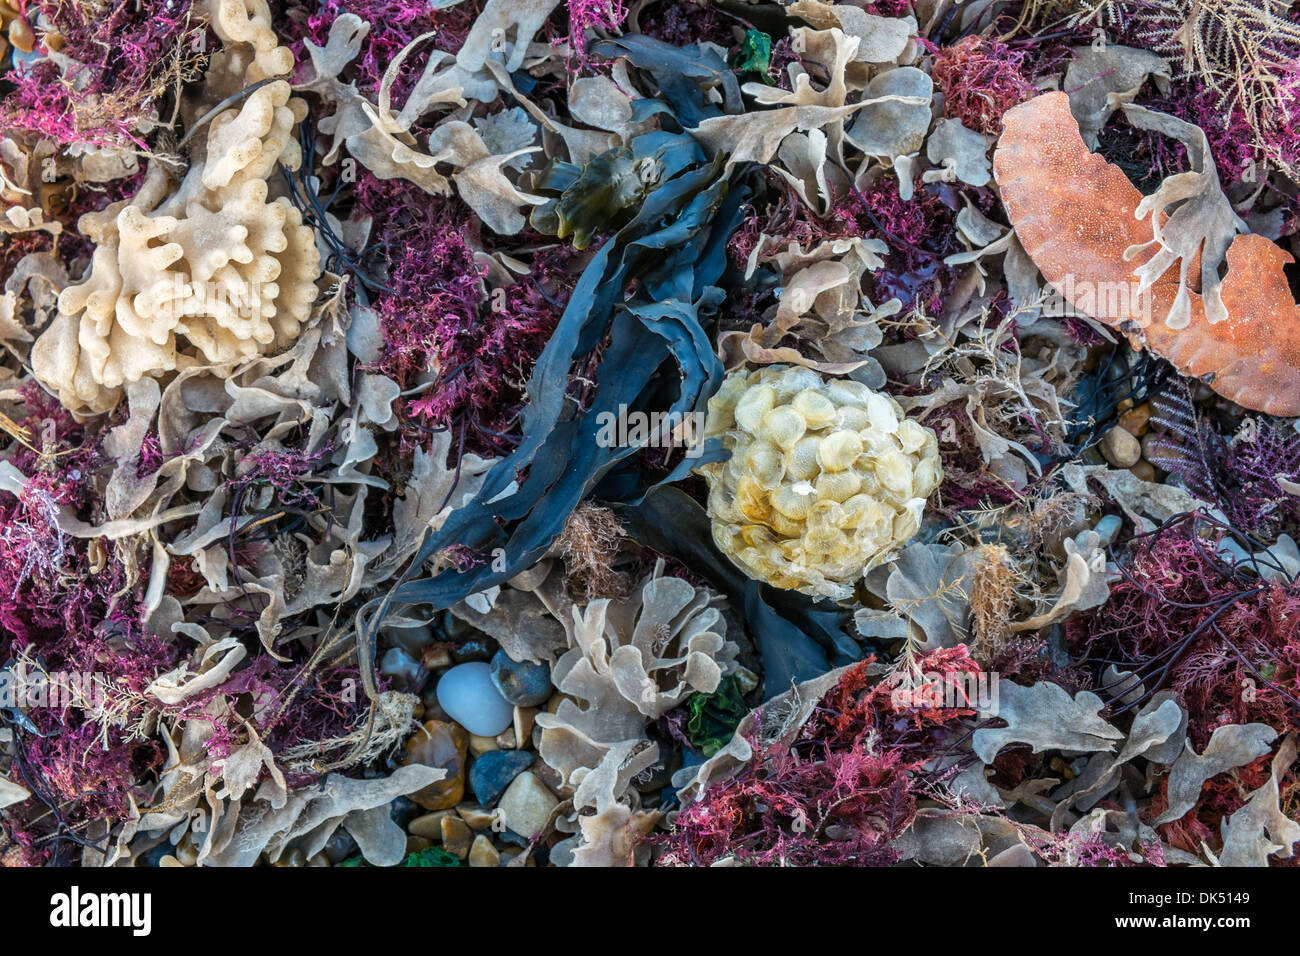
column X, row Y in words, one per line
column 826, row 478
column 213, row 274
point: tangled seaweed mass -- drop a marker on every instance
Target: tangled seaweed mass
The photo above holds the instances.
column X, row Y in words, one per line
column 670, row 432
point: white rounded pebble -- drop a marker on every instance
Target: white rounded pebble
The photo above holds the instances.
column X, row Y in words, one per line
column 469, row 697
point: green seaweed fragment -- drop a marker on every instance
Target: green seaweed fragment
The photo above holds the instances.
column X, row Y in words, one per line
column 755, row 55
column 429, row 856
column 713, row 717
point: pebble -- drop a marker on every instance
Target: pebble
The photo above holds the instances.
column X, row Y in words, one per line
column 549, row 776
column 1107, row 528
column 475, row 649
column 474, row 815
column 439, row 744
column 456, row 836
column 340, row 846
column 429, row 826
column 526, row 805
column 506, row 739
column 406, row 673
column 1135, row 421
column 1144, row 470
column 746, row 679
column 436, row 658
column 402, row 811
column 493, row 772
column 525, row 717
column 152, row 858
column 1120, row 448
column 478, row 746
column 483, row 853
column 510, row 838
column 414, row 640
column 415, row 844
column 21, row 35
column 523, row 683
column 320, row 859
column 469, row 697
column 187, row 854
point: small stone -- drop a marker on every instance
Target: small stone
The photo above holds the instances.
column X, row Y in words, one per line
column 187, row 854
column 549, row 776
column 746, row 679
column 1062, row 767
column 475, row 816
column 467, row 694
column 483, row 853
column 1136, row 420
column 1120, row 448
column 402, row 811
column 340, row 846
column 1107, row 527
column 429, row 826
column 21, row 35
column 320, row 859
column 493, row 772
column 475, row 649
column 405, row 671
column 523, row 683
column 506, row 739
column 456, row 836
column 436, row 658
column 478, row 746
column 526, row 805
column 415, row 844
column 509, row 837
column 439, row 744
column 525, row 717
column 1144, row 470
column 151, row 858
column 413, row 640
column 294, row 857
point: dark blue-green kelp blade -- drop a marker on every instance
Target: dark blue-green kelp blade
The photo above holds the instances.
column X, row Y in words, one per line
column 684, row 74
column 666, row 247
